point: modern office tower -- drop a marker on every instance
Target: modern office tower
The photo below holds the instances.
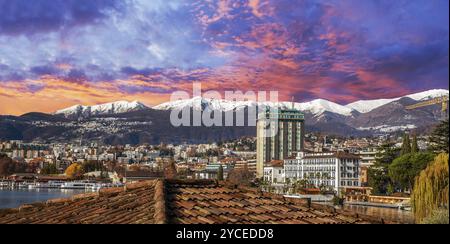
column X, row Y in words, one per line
column 280, row 133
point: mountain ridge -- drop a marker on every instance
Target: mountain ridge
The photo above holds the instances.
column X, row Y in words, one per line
column 316, row 106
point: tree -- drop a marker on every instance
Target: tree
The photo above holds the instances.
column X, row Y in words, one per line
column 241, row 177
column 74, row 171
column 404, row 169
column 92, row 165
column 9, row 166
column 414, row 145
column 170, row 170
column 406, row 145
column 5, row 165
column 49, row 169
column 439, row 138
column 220, row 173
column 378, row 177
column 431, row 189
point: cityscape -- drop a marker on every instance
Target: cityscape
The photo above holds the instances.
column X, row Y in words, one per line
column 224, row 112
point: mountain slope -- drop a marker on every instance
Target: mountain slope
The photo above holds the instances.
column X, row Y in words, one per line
column 133, row 123
column 106, row 108
column 364, row 106
column 316, row 107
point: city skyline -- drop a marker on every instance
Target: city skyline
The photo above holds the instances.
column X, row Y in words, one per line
column 59, row 53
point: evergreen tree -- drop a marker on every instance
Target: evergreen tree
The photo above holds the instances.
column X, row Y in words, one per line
column 439, row 138
column 414, row 145
column 220, row 173
column 406, row 145
column 405, row 168
column 378, row 175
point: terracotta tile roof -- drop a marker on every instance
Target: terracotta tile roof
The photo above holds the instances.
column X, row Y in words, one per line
column 135, row 204
column 207, row 202
column 178, row 202
column 275, row 163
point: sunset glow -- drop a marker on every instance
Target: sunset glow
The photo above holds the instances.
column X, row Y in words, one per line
column 55, row 53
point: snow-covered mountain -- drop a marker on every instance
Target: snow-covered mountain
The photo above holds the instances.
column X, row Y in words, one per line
column 145, row 125
column 316, row 107
column 201, row 103
column 106, row 108
column 364, row 106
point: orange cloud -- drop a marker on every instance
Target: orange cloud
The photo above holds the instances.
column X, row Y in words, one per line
column 15, row 99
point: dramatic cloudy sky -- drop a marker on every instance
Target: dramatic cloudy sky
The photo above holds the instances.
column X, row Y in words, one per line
column 57, row 53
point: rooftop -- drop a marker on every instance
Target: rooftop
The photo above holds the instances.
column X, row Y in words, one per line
column 179, row 202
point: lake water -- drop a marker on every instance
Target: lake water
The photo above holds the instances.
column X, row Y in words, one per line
column 12, row 198
column 392, row 214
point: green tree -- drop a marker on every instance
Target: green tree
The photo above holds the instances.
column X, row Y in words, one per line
column 431, row 189
column 49, row 169
column 406, row 145
column 414, row 145
column 405, row 168
column 439, row 138
column 378, row 177
column 220, row 173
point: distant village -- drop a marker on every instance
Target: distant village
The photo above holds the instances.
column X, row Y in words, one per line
column 33, row 161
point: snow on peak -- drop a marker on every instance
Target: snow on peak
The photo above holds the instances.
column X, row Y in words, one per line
column 202, row 103
column 364, row 106
column 425, row 95
column 316, row 107
column 106, row 108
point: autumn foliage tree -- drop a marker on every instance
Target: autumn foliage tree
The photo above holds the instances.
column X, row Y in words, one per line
column 74, row 171
column 241, row 177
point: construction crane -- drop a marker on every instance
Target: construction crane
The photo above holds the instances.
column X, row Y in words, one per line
column 438, row 100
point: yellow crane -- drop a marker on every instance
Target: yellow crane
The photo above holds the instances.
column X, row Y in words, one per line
column 438, row 100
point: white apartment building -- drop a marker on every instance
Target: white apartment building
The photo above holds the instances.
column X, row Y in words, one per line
column 274, row 174
column 333, row 169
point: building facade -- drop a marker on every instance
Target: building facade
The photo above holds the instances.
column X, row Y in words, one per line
column 368, row 158
column 280, row 134
column 335, row 170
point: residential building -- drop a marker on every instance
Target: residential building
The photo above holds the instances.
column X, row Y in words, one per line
column 250, row 165
column 279, row 134
column 334, row 169
column 274, row 173
column 367, row 160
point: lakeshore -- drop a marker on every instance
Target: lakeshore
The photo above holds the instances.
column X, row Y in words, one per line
column 14, row 197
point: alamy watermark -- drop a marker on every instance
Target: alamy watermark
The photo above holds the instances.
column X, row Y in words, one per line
column 263, row 109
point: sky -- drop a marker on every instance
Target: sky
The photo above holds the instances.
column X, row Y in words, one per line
column 57, row 53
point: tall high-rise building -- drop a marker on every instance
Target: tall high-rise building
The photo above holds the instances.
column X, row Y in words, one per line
column 280, row 134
